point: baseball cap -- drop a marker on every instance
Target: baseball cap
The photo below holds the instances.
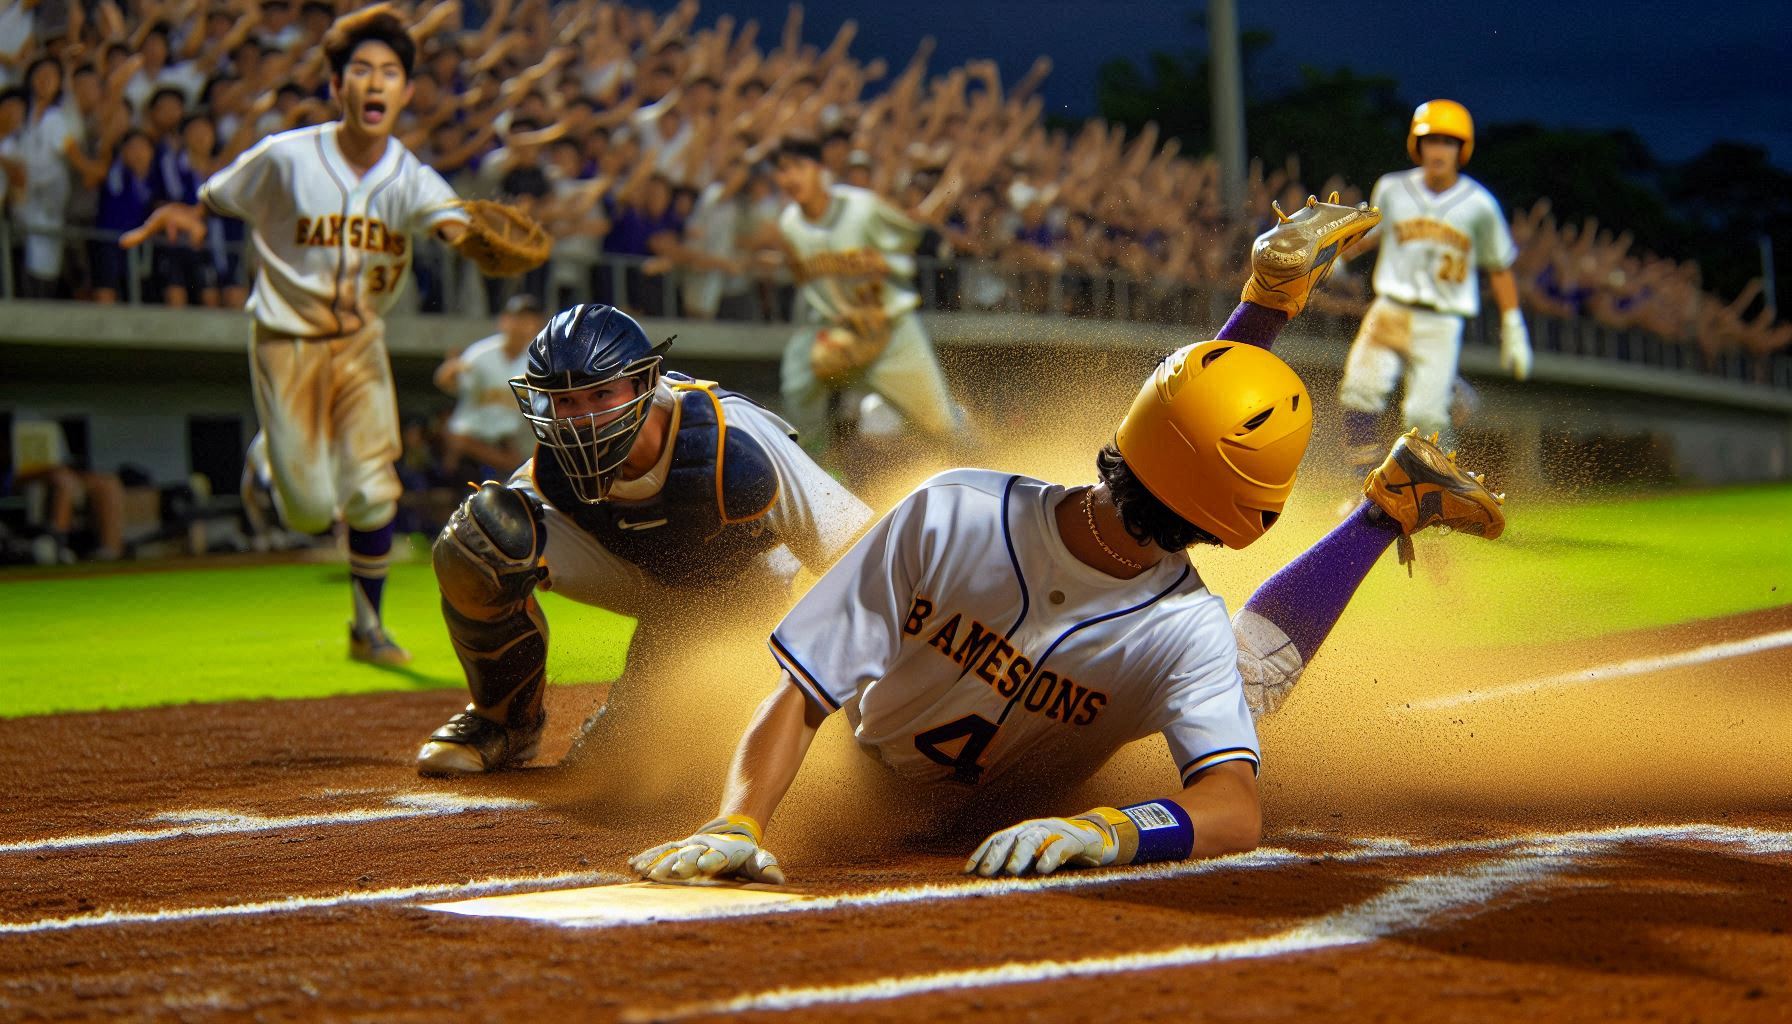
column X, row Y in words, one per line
column 522, row 302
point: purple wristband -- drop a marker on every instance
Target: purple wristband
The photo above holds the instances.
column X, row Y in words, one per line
column 1165, row 832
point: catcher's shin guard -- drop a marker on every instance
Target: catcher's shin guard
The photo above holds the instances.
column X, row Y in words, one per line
column 1291, row 259
column 487, row 562
column 1419, row 486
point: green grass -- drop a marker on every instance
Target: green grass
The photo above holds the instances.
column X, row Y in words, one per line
column 1567, row 570
column 1564, row 570
column 137, row 639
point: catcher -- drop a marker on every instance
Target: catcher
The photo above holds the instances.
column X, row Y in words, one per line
column 851, row 255
column 650, row 494
column 334, row 211
column 993, row 624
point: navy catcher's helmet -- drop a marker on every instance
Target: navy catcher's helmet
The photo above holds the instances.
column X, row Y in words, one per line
column 571, row 398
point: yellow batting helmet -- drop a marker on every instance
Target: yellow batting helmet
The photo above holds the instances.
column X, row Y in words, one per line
column 1442, row 117
column 1216, row 434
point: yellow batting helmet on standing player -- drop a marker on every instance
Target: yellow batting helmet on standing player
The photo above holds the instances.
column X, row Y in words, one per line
column 1442, row 117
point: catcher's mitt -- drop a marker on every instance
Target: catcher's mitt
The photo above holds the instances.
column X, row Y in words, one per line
column 501, row 240
column 840, row 351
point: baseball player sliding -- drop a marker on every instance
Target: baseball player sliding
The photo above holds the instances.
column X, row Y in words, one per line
column 334, row 211
column 995, row 624
column 1440, row 228
column 650, row 494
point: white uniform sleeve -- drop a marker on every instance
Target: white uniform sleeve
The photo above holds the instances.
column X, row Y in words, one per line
column 845, row 632
column 433, row 200
column 1204, row 714
column 1494, row 248
column 815, row 515
column 892, row 230
column 247, row 184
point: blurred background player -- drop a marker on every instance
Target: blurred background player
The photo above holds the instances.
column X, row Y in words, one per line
column 852, row 254
column 333, row 210
column 993, row 624
column 650, row 494
column 486, row 426
column 1440, row 228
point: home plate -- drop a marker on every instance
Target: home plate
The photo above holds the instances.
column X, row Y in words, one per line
column 627, row 903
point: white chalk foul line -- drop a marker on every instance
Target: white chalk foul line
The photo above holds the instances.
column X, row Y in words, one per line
column 1406, row 906
column 205, row 822
column 292, row 903
column 1616, row 670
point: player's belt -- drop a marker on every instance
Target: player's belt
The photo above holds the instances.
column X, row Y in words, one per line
column 1424, row 307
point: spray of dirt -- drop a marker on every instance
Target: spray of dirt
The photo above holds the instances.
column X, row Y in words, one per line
column 1347, row 754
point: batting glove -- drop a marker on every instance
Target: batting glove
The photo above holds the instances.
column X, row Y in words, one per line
column 1042, row 845
column 727, row 847
column 1515, row 344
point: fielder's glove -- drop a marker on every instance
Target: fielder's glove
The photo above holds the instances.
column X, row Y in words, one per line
column 1043, row 845
column 727, row 847
column 1515, row 344
column 501, row 240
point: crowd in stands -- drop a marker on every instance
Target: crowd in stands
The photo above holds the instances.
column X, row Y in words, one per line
column 644, row 137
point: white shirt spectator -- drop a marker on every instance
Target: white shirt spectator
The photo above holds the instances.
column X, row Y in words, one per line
column 48, row 182
column 486, row 408
column 184, row 76
column 18, row 25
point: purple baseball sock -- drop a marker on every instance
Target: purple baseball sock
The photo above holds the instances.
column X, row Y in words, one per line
column 368, row 553
column 1306, row 598
column 1253, row 325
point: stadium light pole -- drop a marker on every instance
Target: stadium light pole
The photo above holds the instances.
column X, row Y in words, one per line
column 1226, row 82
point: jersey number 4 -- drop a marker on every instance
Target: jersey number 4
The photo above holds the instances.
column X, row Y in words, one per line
column 975, row 730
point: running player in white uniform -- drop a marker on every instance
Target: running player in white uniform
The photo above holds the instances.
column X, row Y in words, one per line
column 853, row 254
column 656, row 496
column 335, row 212
column 995, row 624
column 1440, row 228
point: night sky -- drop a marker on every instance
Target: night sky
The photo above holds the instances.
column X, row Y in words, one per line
column 1681, row 75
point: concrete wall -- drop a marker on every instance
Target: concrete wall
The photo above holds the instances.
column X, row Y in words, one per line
column 138, row 375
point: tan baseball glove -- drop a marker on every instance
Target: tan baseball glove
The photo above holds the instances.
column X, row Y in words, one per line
column 842, row 350
column 501, row 240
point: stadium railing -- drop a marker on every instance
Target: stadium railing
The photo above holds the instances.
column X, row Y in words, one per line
column 445, row 283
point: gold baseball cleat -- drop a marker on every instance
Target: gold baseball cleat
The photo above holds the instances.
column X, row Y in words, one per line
column 1291, row 259
column 1419, row 486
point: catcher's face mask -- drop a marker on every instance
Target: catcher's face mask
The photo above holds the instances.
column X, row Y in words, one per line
column 591, row 427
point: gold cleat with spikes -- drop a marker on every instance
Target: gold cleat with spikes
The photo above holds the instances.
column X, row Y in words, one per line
column 1419, row 486
column 1291, row 259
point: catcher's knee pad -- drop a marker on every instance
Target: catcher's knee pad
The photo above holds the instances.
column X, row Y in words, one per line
column 487, row 558
column 1267, row 660
column 487, row 562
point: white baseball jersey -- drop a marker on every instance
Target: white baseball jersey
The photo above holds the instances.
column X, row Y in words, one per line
column 486, row 408
column 963, row 639
column 856, row 221
column 1433, row 244
column 334, row 248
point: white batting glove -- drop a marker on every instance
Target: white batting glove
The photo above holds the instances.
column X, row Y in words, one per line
column 727, row 847
column 1515, row 344
column 1043, row 845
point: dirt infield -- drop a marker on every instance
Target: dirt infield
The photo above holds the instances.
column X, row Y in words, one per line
column 1519, row 854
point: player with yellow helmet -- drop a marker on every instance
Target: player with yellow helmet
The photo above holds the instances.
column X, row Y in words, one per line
column 997, row 625
column 1440, row 227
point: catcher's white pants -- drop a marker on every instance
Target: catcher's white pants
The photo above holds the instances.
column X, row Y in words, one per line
column 1393, row 335
column 330, row 418
column 907, row 376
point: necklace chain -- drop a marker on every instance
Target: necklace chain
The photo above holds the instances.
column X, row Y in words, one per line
column 1089, row 516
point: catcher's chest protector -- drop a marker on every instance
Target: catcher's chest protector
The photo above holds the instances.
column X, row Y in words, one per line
column 707, row 523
